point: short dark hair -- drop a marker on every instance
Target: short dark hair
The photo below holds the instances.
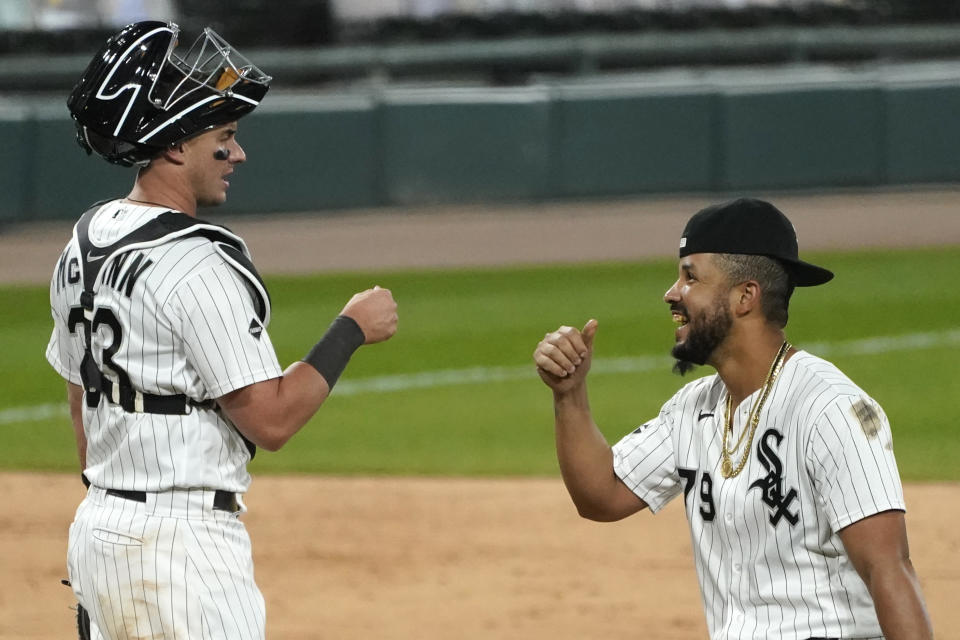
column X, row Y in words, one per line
column 769, row 273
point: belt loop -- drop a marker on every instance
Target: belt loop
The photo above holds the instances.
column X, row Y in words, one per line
column 115, row 393
column 138, row 402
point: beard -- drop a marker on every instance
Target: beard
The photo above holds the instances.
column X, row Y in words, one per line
column 704, row 335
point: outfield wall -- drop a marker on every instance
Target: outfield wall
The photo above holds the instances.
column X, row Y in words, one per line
column 734, row 130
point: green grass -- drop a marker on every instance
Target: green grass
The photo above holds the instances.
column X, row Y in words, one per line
column 494, row 318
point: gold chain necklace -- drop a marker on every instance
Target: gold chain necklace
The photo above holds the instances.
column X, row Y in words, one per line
column 753, row 419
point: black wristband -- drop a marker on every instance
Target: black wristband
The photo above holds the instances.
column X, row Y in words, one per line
column 331, row 355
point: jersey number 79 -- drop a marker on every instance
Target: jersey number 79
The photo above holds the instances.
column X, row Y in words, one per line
column 708, row 510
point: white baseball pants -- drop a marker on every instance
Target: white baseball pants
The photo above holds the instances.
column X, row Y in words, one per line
column 172, row 567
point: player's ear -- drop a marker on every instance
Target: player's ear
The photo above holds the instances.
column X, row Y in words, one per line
column 174, row 153
column 746, row 297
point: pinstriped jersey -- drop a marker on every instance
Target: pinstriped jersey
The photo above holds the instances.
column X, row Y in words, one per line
column 176, row 318
column 768, row 555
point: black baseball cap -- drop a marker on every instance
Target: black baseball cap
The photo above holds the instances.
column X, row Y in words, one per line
column 752, row 227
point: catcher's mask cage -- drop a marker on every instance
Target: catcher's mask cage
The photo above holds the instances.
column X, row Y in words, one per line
column 138, row 96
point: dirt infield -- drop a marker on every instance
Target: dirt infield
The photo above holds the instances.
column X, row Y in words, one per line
column 439, row 558
column 416, row 558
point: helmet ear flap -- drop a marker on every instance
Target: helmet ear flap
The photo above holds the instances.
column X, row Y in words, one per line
column 82, row 138
column 114, row 150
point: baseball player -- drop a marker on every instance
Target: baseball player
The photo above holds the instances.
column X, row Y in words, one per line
column 785, row 466
column 160, row 329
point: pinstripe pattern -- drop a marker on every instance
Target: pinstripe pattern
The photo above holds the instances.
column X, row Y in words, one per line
column 761, row 579
column 186, row 330
column 173, row 567
column 169, row 568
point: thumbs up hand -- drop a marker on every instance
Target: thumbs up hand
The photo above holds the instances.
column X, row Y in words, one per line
column 563, row 357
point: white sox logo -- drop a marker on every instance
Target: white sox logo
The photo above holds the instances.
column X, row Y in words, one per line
column 771, row 485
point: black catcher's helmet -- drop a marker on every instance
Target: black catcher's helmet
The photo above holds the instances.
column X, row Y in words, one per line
column 138, row 97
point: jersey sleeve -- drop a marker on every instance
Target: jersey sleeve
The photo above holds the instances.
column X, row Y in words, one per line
column 223, row 337
column 850, row 457
column 645, row 461
column 64, row 351
column 60, row 350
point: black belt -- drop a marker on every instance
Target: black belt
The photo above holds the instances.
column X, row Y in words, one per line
column 138, row 402
column 222, row 500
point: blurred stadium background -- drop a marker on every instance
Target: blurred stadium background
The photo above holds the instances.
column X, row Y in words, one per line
column 410, row 102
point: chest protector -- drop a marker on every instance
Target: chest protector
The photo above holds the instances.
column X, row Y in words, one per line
column 168, row 226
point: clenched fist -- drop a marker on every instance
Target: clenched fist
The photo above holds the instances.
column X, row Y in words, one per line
column 563, row 357
column 375, row 311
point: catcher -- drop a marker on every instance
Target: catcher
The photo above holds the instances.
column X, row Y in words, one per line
column 160, row 330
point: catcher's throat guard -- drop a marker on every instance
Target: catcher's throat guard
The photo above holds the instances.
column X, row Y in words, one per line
column 138, row 96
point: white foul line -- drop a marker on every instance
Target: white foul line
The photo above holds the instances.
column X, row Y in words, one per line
column 601, row 366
